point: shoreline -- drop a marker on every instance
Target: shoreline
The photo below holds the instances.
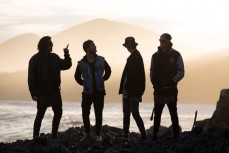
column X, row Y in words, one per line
column 199, row 140
column 15, row 124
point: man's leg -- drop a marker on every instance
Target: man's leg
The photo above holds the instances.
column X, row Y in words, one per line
column 126, row 117
column 158, row 107
column 98, row 108
column 134, row 107
column 172, row 106
column 56, row 120
column 37, row 122
column 86, row 107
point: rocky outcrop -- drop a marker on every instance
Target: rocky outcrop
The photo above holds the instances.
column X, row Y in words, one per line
column 220, row 117
column 207, row 136
column 211, row 140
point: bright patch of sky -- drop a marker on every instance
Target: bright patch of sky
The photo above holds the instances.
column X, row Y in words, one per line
column 199, row 23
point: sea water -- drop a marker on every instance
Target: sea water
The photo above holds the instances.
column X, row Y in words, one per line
column 17, row 117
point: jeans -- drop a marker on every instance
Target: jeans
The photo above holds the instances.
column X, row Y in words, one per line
column 131, row 105
column 98, row 103
column 159, row 103
column 55, row 123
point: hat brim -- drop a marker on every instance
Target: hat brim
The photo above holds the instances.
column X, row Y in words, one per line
column 130, row 45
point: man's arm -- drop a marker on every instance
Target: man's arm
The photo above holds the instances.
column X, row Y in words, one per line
column 66, row 63
column 31, row 80
column 180, row 70
column 107, row 74
column 153, row 77
column 151, row 70
column 77, row 76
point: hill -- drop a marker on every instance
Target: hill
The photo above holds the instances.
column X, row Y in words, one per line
column 15, row 53
column 205, row 75
column 202, row 82
column 107, row 35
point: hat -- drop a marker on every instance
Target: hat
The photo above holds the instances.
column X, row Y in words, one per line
column 130, row 42
column 167, row 36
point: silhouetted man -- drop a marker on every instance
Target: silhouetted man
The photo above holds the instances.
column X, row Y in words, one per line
column 132, row 87
column 91, row 72
column 44, row 83
column 167, row 69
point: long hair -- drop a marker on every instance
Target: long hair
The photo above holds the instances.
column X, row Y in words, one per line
column 43, row 44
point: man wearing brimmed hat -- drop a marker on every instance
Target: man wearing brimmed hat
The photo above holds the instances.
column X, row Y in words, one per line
column 167, row 69
column 132, row 87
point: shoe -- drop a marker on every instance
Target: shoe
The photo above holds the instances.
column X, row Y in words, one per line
column 98, row 139
column 86, row 137
column 126, row 138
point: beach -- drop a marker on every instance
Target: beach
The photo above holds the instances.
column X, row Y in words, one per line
column 17, row 117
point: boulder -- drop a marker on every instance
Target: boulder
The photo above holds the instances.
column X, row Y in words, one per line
column 221, row 114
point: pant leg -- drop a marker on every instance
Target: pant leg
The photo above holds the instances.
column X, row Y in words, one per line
column 134, row 107
column 86, row 107
column 98, row 102
column 37, row 122
column 126, row 117
column 56, row 120
column 158, row 107
column 174, row 116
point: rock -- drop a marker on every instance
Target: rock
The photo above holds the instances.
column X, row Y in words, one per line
column 221, row 114
column 207, row 136
column 163, row 131
column 197, row 141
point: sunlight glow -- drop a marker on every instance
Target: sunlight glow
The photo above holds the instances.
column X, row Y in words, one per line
column 195, row 18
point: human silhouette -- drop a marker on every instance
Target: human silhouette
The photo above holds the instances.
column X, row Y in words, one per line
column 132, row 87
column 91, row 72
column 167, row 69
column 44, row 82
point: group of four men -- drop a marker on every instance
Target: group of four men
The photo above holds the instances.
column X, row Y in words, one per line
column 167, row 69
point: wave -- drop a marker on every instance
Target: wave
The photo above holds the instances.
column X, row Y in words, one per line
column 16, row 118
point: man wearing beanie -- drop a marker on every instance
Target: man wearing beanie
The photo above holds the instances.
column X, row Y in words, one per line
column 167, row 69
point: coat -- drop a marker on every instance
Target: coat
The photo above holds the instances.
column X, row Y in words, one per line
column 133, row 76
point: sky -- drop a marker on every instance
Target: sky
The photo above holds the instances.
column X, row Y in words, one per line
column 195, row 23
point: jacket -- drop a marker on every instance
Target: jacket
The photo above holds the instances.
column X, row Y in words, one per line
column 92, row 76
column 133, row 76
column 44, row 73
column 166, row 70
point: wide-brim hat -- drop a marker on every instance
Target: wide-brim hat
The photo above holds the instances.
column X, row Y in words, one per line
column 130, row 42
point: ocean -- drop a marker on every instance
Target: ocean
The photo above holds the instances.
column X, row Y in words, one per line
column 17, row 117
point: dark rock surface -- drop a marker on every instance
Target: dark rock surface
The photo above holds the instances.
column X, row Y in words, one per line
column 221, row 114
column 199, row 140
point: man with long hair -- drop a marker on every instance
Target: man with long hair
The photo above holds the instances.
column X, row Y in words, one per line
column 44, row 83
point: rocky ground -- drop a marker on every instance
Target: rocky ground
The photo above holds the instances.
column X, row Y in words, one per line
column 201, row 139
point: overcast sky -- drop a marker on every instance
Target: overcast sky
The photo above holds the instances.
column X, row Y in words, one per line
column 198, row 23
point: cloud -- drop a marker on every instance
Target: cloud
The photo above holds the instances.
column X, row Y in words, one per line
column 37, row 17
column 183, row 18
